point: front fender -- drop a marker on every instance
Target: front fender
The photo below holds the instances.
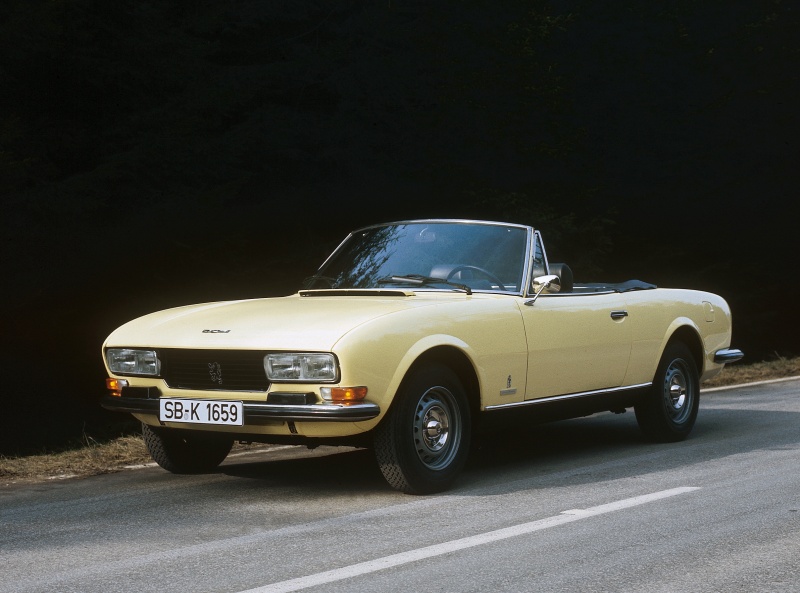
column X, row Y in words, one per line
column 489, row 334
column 426, row 344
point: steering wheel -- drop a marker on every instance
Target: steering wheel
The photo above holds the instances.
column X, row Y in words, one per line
column 486, row 273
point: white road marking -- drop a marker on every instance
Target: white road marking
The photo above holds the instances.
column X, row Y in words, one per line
column 370, row 566
column 752, row 384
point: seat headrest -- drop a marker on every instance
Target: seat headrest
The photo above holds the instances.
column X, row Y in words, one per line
column 564, row 274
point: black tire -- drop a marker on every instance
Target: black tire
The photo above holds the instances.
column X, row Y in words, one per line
column 422, row 444
column 668, row 412
column 185, row 453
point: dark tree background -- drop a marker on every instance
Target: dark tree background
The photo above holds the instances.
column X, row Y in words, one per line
column 161, row 153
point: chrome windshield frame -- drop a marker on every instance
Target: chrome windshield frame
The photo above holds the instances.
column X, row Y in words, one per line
column 526, row 278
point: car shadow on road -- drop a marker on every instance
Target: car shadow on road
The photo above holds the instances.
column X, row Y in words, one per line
column 609, row 446
column 522, row 454
column 343, row 469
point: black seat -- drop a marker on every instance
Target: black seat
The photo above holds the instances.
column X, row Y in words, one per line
column 564, row 274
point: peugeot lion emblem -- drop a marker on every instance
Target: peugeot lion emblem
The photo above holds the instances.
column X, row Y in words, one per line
column 215, row 370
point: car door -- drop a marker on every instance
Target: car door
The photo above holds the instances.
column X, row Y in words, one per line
column 577, row 342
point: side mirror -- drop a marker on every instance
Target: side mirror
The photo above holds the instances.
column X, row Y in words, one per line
column 550, row 283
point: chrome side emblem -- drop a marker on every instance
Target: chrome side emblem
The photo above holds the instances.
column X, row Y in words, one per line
column 215, row 370
column 216, row 331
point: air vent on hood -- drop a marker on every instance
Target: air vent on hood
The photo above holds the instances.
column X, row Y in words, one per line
column 356, row 292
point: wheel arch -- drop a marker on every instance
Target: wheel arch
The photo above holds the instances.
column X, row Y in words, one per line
column 459, row 363
column 689, row 336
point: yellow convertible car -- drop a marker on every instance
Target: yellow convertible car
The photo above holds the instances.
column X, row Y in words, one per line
column 408, row 337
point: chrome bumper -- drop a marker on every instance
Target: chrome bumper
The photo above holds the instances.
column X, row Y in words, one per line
column 258, row 412
column 728, row 355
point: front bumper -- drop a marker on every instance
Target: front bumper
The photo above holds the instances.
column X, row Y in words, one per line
column 261, row 412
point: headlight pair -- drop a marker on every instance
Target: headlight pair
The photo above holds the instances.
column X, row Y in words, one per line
column 280, row 367
column 304, row 367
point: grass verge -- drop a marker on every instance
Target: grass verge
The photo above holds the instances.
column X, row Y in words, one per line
column 90, row 457
column 738, row 374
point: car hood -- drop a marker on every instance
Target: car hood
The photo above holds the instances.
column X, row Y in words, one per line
column 295, row 322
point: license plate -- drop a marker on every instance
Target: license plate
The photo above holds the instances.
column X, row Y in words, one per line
column 201, row 411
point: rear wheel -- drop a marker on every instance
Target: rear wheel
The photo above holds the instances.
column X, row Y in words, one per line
column 422, row 444
column 668, row 412
column 185, row 453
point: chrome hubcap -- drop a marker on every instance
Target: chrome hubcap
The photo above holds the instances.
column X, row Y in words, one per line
column 436, row 428
column 435, row 432
column 679, row 393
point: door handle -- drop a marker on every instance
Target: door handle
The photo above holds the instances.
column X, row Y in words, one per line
column 619, row 314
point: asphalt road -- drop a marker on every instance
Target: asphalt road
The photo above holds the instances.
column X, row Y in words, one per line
column 584, row 505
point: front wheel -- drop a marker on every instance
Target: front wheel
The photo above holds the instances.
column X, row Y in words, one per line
column 422, row 444
column 668, row 411
column 185, row 453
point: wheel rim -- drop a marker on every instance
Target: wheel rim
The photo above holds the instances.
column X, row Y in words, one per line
column 679, row 392
column 437, row 428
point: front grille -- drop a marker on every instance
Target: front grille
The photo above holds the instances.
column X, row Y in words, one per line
column 214, row 370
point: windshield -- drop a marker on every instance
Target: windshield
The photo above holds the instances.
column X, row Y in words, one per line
column 472, row 256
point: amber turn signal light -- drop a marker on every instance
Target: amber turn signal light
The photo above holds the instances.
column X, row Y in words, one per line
column 343, row 395
column 115, row 386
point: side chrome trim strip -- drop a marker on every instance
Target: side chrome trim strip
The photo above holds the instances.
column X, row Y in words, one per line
column 567, row 397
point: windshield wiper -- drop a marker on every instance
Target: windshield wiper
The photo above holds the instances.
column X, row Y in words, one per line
column 422, row 280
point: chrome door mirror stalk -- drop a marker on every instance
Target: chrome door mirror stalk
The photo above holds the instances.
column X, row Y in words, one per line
column 550, row 283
